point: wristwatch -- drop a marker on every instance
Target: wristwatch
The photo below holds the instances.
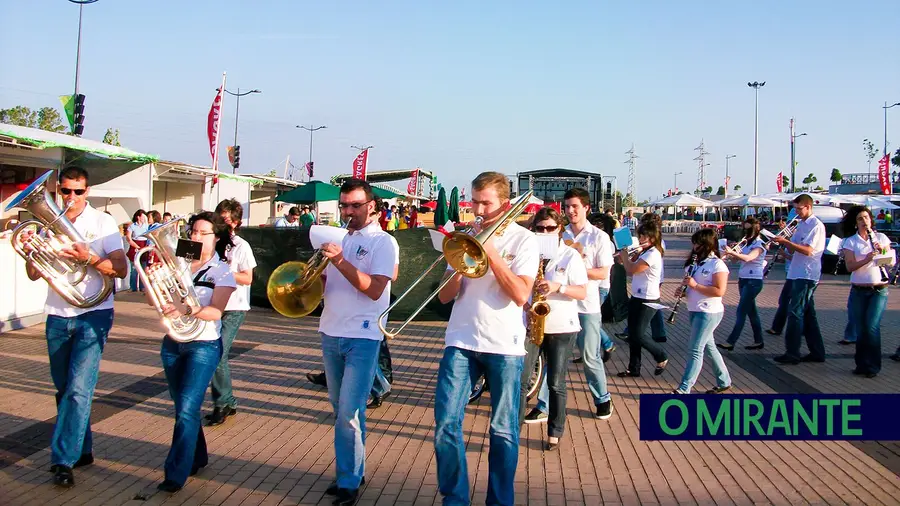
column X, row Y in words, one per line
column 562, row 289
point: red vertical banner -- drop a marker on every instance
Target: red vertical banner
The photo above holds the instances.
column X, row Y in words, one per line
column 779, row 183
column 413, row 185
column 884, row 175
column 359, row 165
column 212, row 124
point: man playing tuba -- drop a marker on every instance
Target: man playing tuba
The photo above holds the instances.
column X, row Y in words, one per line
column 76, row 336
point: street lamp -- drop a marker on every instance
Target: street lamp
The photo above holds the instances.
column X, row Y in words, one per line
column 756, row 86
column 311, row 129
column 237, row 110
column 727, row 157
column 81, row 4
column 794, row 155
column 886, row 107
column 675, row 190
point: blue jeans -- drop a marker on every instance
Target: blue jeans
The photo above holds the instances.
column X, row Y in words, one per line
column 850, row 329
column 749, row 289
column 639, row 317
column 866, row 308
column 381, row 385
column 222, row 395
column 657, row 326
column 802, row 321
column 75, row 346
column 458, row 370
column 134, row 279
column 350, row 365
column 784, row 299
column 557, row 348
column 189, row 367
column 605, row 340
column 589, row 341
column 703, row 328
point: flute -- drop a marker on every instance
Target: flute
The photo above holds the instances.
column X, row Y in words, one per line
column 684, row 288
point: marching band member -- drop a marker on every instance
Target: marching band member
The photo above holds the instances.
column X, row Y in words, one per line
column 565, row 283
column 705, row 288
column 189, row 366
column 357, row 290
column 806, row 245
column 750, row 283
column 242, row 262
column 75, row 336
column 784, row 298
column 657, row 325
column 646, row 272
column 868, row 289
column 486, row 334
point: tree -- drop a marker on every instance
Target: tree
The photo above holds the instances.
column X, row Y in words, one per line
column 46, row 118
column 809, row 180
column 49, row 119
column 871, row 152
column 896, row 159
column 271, row 173
column 737, row 187
column 720, row 191
column 785, row 182
column 820, row 189
column 835, row 175
column 111, row 137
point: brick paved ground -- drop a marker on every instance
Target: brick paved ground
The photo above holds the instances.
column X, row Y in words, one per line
column 278, row 450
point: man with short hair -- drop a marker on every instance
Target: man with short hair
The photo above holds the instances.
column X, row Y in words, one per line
column 630, row 221
column 485, row 335
column 306, row 217
column 167, row 217
column 76, row 336
column 291, row 219
column 806, row 245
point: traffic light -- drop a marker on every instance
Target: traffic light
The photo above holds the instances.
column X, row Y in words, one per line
column 79, row 114
column 609, row 189
column 237, row 157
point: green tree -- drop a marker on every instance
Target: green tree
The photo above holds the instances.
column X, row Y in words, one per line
column 809, row 180
column 896, row 159
column 720, row 191
column 737, row 188
column 45, row 118
column 871, row 152
column 785, row 182
column 835, row 175
column 49, row 119
column 819, row 188
column 111, row 137
column 271, row 173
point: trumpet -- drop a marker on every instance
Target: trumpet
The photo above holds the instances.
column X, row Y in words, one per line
column 787, row 232
column 684, row 289
column 464, row 253
column 295, row 289
column 633, row 252
column 53, row 232
column 168, row 279
column 737, row 247
column 539, row 310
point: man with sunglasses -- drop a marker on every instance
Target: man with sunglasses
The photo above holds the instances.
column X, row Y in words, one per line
column 76, row 336
column 357, row 290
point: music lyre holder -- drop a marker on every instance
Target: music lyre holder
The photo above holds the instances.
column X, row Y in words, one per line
column 189, row 250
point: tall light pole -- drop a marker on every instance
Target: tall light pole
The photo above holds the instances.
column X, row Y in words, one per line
column 237, row 110
column 886, row 107
column 756, row 86
column 81, row 4
column 794, row 155
column 311, row 129
column 727, row 157
column 675, row 190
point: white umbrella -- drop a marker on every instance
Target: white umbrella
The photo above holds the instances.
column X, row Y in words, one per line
column 872, row 202
column 683, row 200
column 819, row 199
column 748, row 200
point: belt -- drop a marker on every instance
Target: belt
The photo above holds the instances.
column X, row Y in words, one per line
column 870, row 288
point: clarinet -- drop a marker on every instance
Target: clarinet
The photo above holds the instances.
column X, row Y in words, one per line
column 895, row 273
column 684, row 289
column 884, row 275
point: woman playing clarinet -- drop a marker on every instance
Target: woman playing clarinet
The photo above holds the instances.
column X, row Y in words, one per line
column 750, row 283
column 868, row 287
column 706, row 283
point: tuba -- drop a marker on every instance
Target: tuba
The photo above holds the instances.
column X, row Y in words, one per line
column 464, row 253
column 540, row 309
column 168, row 280
column 295, row 289
column 53, row 232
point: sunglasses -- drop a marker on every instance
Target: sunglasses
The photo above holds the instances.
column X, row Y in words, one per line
column 549, row 228
column 66, row 191
column 354, row 205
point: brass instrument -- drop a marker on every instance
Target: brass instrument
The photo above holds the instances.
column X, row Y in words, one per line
column 737, row 247
column 539, row 310
column 168, row 280
column 787, row 232
column 295, row 289
column 577, row 246
column 52, row 232
column 633, row 252
column 464, row 253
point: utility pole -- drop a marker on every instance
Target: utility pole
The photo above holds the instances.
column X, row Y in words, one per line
column 630, row 199
column 794, row 154
column 701, row 168
column 237, row 115
column 756, row 86
column 310, row 129
column 675, row 191
column 727, row 179
column 886, row 107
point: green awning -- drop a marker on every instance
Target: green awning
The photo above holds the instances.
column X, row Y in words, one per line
column 314, row 191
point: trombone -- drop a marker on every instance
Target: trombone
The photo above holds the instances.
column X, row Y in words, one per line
column 464, row 253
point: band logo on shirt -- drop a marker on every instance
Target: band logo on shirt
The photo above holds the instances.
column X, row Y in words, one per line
column 361, row 252
column 509, row 257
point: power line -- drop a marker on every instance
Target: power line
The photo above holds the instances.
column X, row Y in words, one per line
column 630, row 198
column 701, row 167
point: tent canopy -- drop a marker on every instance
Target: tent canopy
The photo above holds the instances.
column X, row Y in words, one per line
column 748, row 200
column 683, row 200
column 314, row 191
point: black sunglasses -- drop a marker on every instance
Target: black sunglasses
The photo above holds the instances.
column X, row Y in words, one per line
column 353, row 205
column 66, row 191
column 549, row 228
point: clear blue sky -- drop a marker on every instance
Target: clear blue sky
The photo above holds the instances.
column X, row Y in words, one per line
column 468, row 86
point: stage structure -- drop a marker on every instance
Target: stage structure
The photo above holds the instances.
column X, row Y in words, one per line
column 426, row 187
column 550, row 185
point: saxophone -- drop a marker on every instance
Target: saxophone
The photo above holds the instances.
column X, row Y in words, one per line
column 539, row 309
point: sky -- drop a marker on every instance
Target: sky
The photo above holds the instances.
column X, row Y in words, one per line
column 466, row 86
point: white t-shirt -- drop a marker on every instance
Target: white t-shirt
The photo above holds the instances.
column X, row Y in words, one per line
column 210, row 275
column 810, row 232
column 645, row 284
column 596, row 253
column 348, row 312
column 753, row 269
column 484, row 318
column 102, row 234
column 703, row 275
column 240, row 258
column 283, row 222
column 868, row 274
column 566, row 269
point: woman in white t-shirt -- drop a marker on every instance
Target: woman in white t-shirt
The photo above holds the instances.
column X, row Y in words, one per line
column 706, row 284
column 750, row 283
column 868, row 287
column 565, row 282
column 189, row 366
column 646, row 273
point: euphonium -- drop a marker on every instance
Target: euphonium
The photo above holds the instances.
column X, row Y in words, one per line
column 295, row 289
column 168, row 280
column 464, row 253
column 53, row 232
column 540, row 309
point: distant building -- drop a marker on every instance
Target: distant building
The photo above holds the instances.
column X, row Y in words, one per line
column 863, row 183
column 550, row 185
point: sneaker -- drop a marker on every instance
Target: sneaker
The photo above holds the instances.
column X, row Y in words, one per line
column 604, row 410
column 536, row 416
